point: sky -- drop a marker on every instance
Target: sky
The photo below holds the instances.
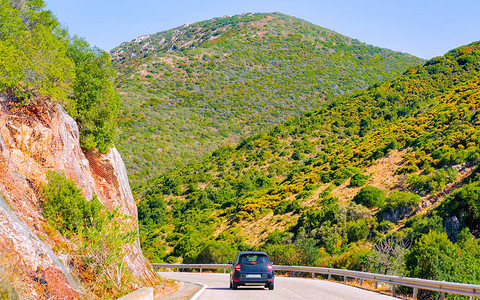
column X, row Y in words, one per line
column 425, row 28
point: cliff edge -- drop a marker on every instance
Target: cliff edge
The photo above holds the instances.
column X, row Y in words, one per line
column 34, row 139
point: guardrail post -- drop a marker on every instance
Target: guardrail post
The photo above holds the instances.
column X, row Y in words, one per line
column 313, row 275
column 329, row 276
column 393, row 289
column 345, row 278
column 442, row 296
column 200, row 269
column 376, row 284
column 415, row 293
column 361, row 282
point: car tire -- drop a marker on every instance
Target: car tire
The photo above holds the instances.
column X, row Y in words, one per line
column 271, row 286
column 230, row 284
column 234, row 286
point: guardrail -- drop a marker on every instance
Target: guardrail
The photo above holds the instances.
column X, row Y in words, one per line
column 443, row 287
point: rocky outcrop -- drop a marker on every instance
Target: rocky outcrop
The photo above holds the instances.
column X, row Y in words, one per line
column 35, row 139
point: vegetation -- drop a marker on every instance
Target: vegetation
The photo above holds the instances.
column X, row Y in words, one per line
column 38, row 58
column 101, row 236
column 369, row 196
column 278, row 190
column 189, row 90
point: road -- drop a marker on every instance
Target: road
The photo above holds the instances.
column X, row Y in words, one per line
column 285, row 288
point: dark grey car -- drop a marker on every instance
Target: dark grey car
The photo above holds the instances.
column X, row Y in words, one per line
column 252, row 268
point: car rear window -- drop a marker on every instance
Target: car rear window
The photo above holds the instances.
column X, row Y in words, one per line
column 253, row 259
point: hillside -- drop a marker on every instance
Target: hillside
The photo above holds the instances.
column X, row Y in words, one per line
column 382, row 180
column 188, row 90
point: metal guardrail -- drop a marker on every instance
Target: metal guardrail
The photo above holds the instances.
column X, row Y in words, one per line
column 443, row 287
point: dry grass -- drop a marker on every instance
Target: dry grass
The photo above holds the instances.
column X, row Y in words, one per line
column 382, row 176
column 257, row 231
column 12, row 277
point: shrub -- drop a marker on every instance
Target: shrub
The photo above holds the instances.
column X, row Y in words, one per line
column 64, row 206
column 357, row 230
column 215, row 252
column 432, row 183
column 37, row 57
column 151, row 210
column 356, row 211
column 284, row 254
column 103, row 236
column 369, row 196
column 435, row 257
column 103, row 248
column 359, row 180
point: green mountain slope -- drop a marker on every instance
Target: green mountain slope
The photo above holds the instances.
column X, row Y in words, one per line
column 392, row 164
column 190, row 89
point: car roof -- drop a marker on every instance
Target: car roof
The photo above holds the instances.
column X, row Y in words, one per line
column 252, row 252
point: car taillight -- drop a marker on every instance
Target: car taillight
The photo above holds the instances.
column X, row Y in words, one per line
column 269, row 267
column 237, row 267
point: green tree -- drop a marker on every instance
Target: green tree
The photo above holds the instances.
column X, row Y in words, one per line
column 96, row 100
column 369, row 196
column 65, row 207
column 435, row 257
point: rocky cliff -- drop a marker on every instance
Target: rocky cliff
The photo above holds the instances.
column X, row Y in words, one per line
column 35, row 139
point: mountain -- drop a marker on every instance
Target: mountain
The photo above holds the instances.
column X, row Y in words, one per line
column 383, row 179
column 188, row 90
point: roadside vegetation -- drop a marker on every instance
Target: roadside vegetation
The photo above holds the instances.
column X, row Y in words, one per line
column 97, row 240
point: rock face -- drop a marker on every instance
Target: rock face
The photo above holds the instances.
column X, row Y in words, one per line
column 35, row 139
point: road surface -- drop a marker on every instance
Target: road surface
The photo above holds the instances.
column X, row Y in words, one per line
column 285, row 288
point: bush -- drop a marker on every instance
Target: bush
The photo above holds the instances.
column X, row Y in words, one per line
column 64, row 206
column 357, row 211
column 151, row 210
column 33, row 52
column 357, row 230
column 37, row 57
column 216, row 252
column 388, row 256
column 435, row 257
column 433, row 182
column 103, row 248
column 282, row 254
column 103, row 236
column 358, row 180
column 369, row 196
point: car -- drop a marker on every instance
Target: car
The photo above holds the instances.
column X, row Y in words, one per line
column 252, row 268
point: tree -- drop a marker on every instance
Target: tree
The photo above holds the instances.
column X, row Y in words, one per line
column 369, row 196
column 389, row 256
column 435, row 257
column 96, row 100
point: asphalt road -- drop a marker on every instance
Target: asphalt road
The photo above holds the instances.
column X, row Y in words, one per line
column 285, row 288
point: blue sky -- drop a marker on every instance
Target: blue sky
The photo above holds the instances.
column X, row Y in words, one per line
column 425, row 28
